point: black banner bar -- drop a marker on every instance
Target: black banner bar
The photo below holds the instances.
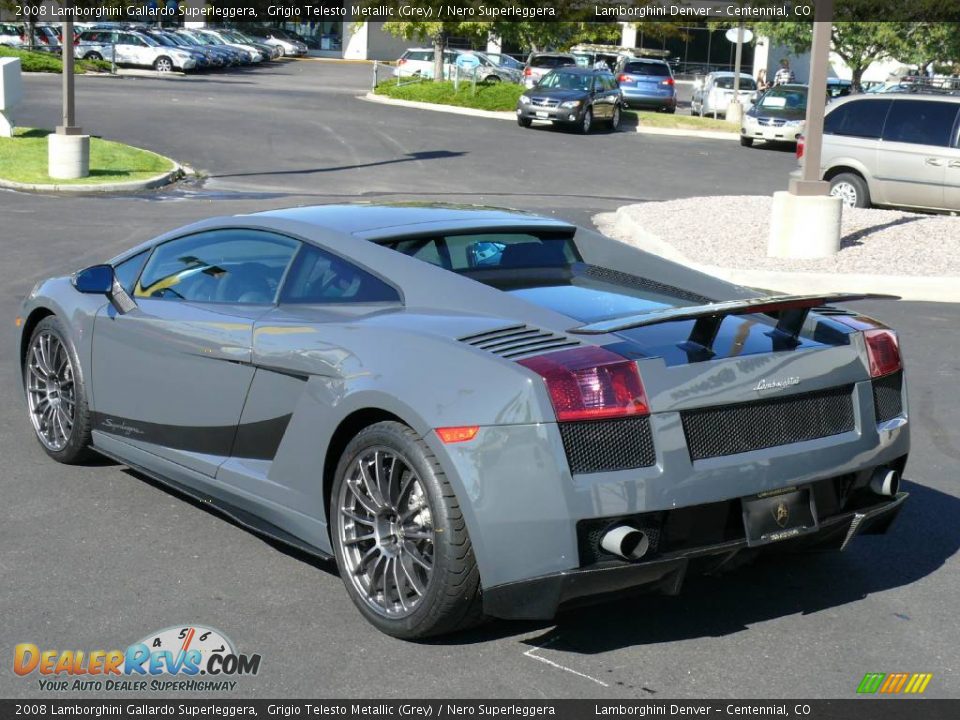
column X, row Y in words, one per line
column 853, row 709
column 676, row 11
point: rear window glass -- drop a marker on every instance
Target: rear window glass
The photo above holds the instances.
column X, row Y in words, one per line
column 643, row 68
column 550, row 61
column 726, row 83
column 463, row 253
column 860, row 118
column 921, row 122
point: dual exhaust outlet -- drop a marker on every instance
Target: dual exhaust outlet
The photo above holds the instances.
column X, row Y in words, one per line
column 630, row 543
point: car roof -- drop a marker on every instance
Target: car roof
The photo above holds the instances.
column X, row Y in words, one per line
column 634, row 59
column 364, row 219
column 574, row 70
column 877, row 97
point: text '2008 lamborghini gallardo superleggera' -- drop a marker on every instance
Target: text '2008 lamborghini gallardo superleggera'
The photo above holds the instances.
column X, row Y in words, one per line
column 476, row 412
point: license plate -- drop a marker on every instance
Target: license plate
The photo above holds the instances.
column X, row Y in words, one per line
column 541, row 113
column 771, row 517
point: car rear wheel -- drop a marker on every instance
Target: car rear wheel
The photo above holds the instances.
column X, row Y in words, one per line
column 399, row 536
column 492, row 79
column 163, row 64
column 746, row 141
column 670, row 110
column 851, row 189
column 56, row 394
column 615, row 120
column 524, row 122
column 586, row 122
column 93, row 56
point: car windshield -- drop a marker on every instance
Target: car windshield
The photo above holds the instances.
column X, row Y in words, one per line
column 163, row 40
column 725, row 82
column 784, row 98
column 567, row 81
column 550, row 61
column 646, row 68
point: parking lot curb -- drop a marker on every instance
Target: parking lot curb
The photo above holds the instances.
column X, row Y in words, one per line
column 115, row 187
column 621, row 226
column 506, row 115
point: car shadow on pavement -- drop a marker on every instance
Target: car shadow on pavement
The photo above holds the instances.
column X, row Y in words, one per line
column 918, row 544
column 409, row 157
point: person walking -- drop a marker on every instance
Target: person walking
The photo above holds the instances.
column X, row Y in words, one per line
column 762, row 83
column 784, row 74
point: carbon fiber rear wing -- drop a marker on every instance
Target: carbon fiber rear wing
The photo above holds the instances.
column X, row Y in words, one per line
column 791, row 311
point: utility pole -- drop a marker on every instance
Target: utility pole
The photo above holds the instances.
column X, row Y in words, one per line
column 734, row 108
column 68, row 149
column 810, row 183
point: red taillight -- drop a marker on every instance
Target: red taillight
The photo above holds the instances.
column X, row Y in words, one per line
column 590, row 383
column 668, row 81
column 622, row 78
column 883, row 350
column 528, row 71
column 800, row 147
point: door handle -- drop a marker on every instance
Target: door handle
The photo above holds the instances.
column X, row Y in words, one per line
column 954, row 164
column 936, row 162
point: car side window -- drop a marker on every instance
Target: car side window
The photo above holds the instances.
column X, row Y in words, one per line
column 858, row 118
column 229, row 265
column 921, row 122
column 319, row 277
column 128, row 271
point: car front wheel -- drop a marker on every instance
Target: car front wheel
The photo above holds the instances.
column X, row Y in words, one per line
column 746, row 141
column 56, row 394
column 399, row 536
column 163, row 64
column 586, row 122
column 851, row 189
column 93, row 56
column 524, row 122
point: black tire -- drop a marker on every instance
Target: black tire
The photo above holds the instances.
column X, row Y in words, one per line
column 586, row 122
column 77, row 449
column 283, row 52
column 615, row 120
column 451, row 599
column 163, row 64
column 93, row 56
column 524, row 122
column 492, row 79
column 670, row 110
column 852, row 189
column 746, row 141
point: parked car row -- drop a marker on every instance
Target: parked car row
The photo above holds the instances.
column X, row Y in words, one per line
column 494, row 68
column 46, row 38
column 167, row 49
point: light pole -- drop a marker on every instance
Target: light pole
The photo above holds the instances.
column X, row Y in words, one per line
column 734, row 108
column 805, row 220
column 68, row 149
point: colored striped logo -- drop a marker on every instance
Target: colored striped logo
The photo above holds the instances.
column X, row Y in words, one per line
column 894, row 683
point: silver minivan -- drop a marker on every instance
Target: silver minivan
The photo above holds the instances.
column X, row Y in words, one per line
column 893, row 149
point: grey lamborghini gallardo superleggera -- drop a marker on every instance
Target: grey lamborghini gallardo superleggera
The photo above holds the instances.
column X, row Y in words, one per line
column 475, row 412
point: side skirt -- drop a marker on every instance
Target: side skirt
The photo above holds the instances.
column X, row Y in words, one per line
column 244, row 519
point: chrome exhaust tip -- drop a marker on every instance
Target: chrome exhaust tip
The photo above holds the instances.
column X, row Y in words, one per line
column 885, row 482
column 625, row 541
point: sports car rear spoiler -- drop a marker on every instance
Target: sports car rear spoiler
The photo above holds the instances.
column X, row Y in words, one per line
column 791, row 312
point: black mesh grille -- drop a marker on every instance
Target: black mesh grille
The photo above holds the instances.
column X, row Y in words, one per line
column 618, row 277
column 731, row 429
column 604, row 445
column 888, row 396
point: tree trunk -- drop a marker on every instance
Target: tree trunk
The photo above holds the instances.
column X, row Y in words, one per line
column 856, row 75
column 438, row 43
column 31, row 31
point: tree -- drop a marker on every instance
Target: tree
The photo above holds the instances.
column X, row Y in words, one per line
column 857, row 43
column 930, row 42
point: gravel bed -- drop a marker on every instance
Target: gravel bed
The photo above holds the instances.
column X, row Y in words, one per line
column 732, row 231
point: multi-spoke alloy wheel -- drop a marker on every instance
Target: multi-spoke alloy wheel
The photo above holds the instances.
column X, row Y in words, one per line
column 399, row 536
column 51, row 391
column 846, row 192
column 386, row 532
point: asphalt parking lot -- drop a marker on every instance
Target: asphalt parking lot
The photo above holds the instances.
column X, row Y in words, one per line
column 98, row 557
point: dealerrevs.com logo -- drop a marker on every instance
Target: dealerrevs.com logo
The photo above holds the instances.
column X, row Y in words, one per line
column 178, row 658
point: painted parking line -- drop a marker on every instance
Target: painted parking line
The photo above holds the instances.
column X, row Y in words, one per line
column 531, row 653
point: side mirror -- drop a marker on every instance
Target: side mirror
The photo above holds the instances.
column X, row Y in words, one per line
column 100, row 280
column 94, row 280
